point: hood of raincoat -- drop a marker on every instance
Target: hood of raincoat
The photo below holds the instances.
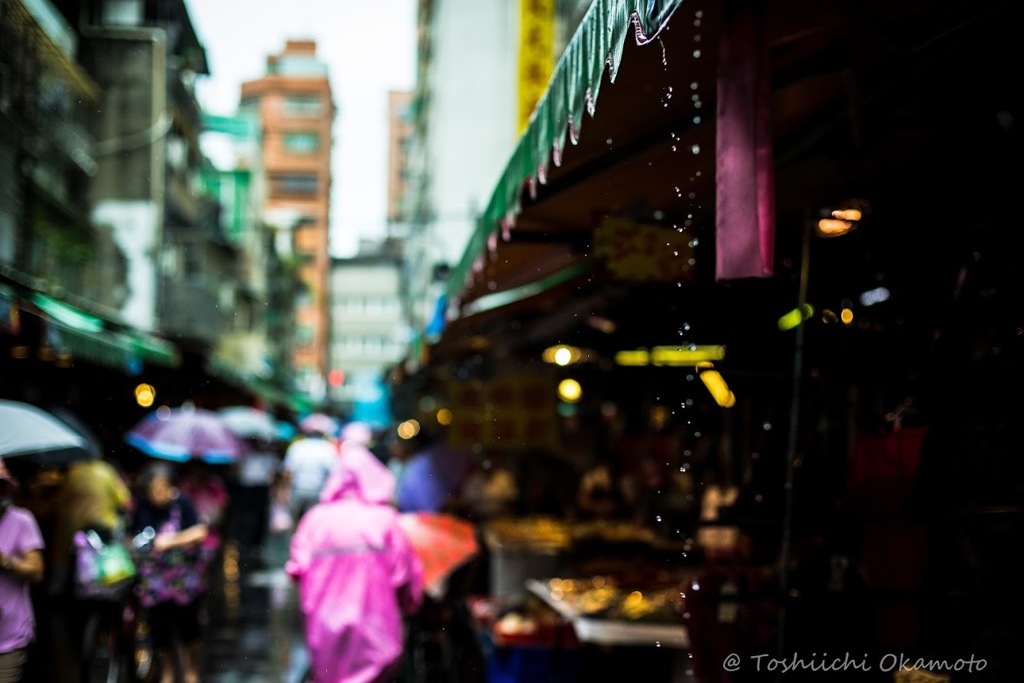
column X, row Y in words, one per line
column 358, row 432
column 359, row 475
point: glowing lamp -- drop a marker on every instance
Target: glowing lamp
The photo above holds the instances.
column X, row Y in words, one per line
column 834, row 227
column 569, row 390
column 716, row 386
column 145, row 394
column 408, row 429
column 795, row 317
column 562, row 355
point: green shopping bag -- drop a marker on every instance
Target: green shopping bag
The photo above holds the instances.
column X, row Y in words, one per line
column 101, row 569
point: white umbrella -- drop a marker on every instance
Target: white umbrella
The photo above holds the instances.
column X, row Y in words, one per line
column 250, row 423
column 32, row 433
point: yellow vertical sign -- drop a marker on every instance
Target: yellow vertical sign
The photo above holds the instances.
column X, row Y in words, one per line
column 536, row 54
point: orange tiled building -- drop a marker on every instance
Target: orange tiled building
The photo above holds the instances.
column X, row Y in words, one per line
column 296, row 111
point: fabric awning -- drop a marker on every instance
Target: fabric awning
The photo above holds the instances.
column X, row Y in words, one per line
column 95, row 339
column 646, row 150
column 594, row 52
column 261, row 387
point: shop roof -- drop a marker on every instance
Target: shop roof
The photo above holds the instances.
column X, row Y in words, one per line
column 849, row 93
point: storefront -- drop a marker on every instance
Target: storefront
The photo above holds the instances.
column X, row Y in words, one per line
column 851, row 362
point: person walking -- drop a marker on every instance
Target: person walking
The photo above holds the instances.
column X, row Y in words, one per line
column 357, row 574
column 171, row 580
column 93, row 496
column 256, row 472
column 21, row 563
column 307, row 464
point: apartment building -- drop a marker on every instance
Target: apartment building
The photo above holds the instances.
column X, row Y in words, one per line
column 294, row 106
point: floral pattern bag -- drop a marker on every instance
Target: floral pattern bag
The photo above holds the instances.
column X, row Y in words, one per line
column 175, row 575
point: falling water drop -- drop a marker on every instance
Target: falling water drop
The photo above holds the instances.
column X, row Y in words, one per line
column 695, row 149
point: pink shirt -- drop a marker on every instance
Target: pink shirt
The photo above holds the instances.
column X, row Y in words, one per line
column 19, row 534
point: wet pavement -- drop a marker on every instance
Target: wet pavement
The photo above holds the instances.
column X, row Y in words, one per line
column 255, row 630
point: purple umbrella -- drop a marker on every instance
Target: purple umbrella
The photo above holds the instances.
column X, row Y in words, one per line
column 185, row 433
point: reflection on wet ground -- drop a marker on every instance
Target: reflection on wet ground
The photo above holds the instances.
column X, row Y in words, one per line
column 255, row 629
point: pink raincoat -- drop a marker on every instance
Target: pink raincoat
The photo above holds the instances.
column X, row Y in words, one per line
column 357, row 573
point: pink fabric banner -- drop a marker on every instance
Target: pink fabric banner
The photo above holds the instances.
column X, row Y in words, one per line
column 745, row 177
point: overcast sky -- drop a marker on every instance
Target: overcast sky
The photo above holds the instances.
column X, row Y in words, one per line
column 370, row 48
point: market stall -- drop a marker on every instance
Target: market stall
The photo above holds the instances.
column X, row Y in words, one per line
column 816, row 357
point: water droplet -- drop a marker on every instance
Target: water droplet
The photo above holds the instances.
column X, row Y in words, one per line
column 673, row 148
column 694, row 242
column 696, row 54
column 675, row 253
column 698, row 105
column 696, row 120
column 608, row 141
column 658, row 518
column 692, row 195
column 693, row 86
column 696, row 38
column 699, row 14
column 657, row 643
column 698, row 174
column 695, row 149
column 695, row 98
column 696, row 22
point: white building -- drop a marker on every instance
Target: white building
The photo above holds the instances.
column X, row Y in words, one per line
column 368, row 332
column 467, row 102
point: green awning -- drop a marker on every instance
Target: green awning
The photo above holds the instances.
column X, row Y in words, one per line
column 103, row 348
column 510, row 296
column 155, row 350
column 258, row 386
column 88, row 336
column 596, row 45
column 67, row 316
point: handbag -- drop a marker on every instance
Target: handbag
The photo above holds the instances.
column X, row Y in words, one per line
column 102, row 570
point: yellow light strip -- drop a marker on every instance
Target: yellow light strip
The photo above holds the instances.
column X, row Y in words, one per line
column 717, row 386
column 670, row 356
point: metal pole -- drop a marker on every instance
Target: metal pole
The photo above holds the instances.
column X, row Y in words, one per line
column 794, row 434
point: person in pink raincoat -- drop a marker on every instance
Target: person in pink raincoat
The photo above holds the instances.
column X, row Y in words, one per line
column 357, row 574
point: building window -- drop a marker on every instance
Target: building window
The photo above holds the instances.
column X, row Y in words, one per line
column 304, row 336
column 294, row 184
column 303, row 106
column 302, row 143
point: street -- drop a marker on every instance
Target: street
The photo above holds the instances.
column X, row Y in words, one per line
column 255, row 629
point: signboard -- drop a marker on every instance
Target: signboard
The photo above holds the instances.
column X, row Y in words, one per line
column 536, row 54
column 635, row 252
column 510, row 411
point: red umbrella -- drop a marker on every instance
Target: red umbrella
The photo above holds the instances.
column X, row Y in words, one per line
column 442, row 542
